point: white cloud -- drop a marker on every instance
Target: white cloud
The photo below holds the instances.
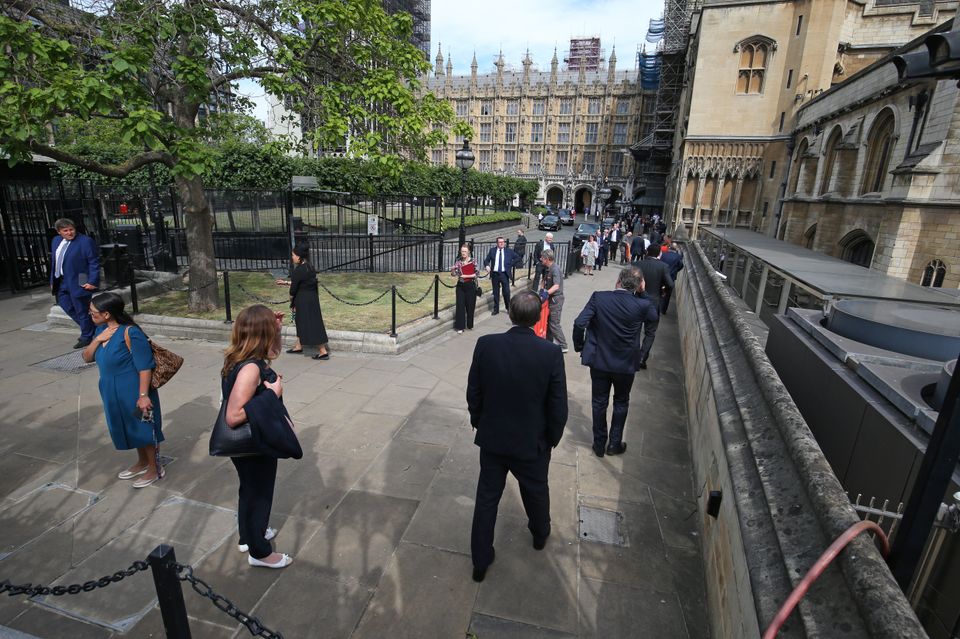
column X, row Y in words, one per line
column 540, row 25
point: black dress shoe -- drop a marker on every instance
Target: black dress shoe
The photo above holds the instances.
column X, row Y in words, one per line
column 618, row 450
column 538, row 544
column 82, row 343
column 480, row 573
column 643, row 365
column 598, row 450
column 324, row 356
column 292, row 351
column 495, row 313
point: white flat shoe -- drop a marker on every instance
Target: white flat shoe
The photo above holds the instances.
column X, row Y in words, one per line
column 285, row 561
column 270, row 534
column 143, row 483
column 126, row 474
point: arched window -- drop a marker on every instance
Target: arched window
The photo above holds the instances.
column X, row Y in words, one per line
column 879, row 148
column 754, row 53
column 830, row 152
column 934, row 274
column 857, row 248
column 809, row 237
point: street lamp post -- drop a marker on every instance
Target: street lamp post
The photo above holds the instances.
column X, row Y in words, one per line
column 603, row 194
column 464, row 162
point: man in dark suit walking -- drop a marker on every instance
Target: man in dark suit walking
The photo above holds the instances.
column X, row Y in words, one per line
column 656, row 274
column 74, row 275
column 499, row 261
column 607, row 334
column 515, row 436
column 674, row 261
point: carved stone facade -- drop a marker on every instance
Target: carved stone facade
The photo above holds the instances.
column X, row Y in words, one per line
column 753, row 66
column 569, row 130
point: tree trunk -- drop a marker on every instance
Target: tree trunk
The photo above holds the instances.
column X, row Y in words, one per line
column 204, row 289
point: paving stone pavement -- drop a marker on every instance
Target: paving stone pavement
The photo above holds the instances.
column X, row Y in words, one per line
column 377, row 514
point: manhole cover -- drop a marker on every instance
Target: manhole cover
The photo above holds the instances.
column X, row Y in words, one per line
column 601, row 526
column 72, row 362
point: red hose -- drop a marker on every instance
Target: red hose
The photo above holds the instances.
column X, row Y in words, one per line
column 817, row 569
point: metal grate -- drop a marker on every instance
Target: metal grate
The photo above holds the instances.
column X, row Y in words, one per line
column 72, row 362
column 601, row 526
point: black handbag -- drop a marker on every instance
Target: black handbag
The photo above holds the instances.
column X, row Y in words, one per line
column 231, row 442
column 479, row 290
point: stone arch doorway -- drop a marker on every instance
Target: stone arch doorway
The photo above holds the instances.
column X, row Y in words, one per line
column 582, row 200
column 555, row 197
column 856, row 247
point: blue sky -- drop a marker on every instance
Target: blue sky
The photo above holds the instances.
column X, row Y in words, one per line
column 514, row 25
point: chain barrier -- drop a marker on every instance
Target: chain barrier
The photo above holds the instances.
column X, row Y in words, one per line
column 253, row 624
column 260, row 299
column 422, row 297
column 171, row 289
column 73, row 589
column 348, row 302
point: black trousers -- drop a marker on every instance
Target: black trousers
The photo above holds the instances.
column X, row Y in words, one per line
column 258, row 474
column 538, row 272
column 531, row 474
column 601, row 257
column 466, row 304
column 665, row 300
column 649, row 334
column 500, row 282
column 601, row 381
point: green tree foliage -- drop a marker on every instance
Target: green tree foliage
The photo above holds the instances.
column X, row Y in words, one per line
column 152, row 68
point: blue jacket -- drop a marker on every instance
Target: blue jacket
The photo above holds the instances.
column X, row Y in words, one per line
column 81, row 264
column 509, row 258
column 674, row 261
column 609, row 330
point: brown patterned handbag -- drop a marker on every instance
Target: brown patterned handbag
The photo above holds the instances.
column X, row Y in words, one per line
column 167, row 362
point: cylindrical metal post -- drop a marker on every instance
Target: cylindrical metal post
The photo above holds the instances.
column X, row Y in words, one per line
column 370, row 252
column 169, row 592
column 132, row 278
column 440, row 251
column 436, row 296
column 226, row 297
column 393, row 311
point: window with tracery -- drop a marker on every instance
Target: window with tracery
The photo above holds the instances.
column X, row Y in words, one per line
column 879, row 149
column 934, row 274
column 754, row 55
column 830, row 154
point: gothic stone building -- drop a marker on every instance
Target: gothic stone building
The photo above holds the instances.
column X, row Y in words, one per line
column 753, row 66
column 875, row 176
column 569, row 130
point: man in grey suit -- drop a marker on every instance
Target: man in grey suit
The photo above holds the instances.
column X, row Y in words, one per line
column 607, row 334
column 656, row 274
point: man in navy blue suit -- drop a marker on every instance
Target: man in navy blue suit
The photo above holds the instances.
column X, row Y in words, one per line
column 74, row 275
column 515, row 432
column 608, row 334
column 499, row 261
column 674, row 261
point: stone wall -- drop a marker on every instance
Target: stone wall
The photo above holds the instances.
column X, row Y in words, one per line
column 782, row 505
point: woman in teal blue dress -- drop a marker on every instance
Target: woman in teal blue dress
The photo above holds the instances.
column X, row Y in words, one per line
column 132, row 407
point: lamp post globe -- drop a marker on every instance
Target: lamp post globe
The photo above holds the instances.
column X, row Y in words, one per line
column 465, row 160
column 604, row 195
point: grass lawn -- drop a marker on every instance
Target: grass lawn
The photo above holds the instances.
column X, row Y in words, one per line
column 259, row 288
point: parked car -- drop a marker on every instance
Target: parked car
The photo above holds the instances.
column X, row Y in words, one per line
column 566, row 217
column 583, row 232
column 549, row 223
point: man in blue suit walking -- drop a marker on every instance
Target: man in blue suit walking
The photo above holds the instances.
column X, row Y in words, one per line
column 74, row 275
column 608, row 334
column 499, row 261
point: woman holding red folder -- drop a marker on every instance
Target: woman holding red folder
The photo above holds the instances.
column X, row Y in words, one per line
column 466, row 271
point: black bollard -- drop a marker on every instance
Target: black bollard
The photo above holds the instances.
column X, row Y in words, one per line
column 393, row 311
column 226, row 297
column 169, row 593
column 132, row 277
column 436, row 297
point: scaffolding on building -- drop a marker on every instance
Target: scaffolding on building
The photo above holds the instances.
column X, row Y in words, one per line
column 662, row 62
column 585, row 55
column 420, row 11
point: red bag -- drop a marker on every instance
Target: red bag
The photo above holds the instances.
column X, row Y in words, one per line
column 540, row 328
